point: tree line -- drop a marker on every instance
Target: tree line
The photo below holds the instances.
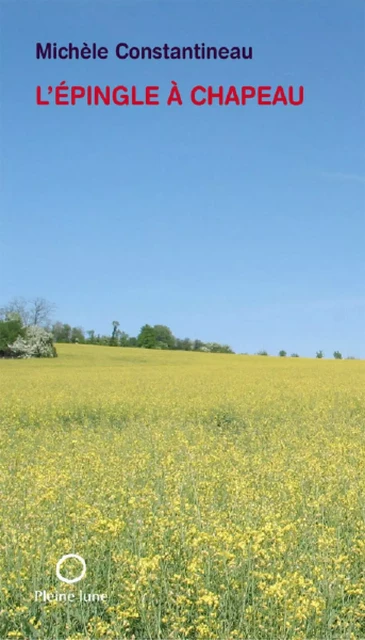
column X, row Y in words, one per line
column 19, row 338
column 19, row 315
column 158, row 336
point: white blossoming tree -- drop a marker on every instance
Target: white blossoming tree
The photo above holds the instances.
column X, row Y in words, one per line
column 36, row 343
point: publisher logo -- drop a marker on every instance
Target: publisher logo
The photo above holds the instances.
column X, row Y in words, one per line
column 60, row 563
column 44, row 596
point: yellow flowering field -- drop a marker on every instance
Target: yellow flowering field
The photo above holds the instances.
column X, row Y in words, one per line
column 211, row 496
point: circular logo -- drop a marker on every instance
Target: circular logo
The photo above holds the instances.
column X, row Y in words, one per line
column 60, row 563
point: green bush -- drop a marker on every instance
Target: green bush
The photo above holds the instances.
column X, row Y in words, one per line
column 10, row 330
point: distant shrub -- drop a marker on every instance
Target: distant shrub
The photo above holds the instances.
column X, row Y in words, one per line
column 36, row 342
column 294, row 355
column 262, row 353
column 282, row 353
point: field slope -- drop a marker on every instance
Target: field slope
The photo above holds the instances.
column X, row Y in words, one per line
column 212, row 496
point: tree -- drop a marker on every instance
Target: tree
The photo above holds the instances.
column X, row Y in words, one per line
column 123, row 339
column 113, row 342
column 15, row 310
column 186, row 344
column 198, row 345
column 319, row 354
column 10, row 330
column 61, row 332
column 337, row 355
column 146, row 337
column 36, row 343
column 262, row 353
column 164, row 337
column 57, row 330
column 91, row 336
column 116, row 326
column 40, row 312
column 36, row 311
column 215, row 347
column 282, row 353
column 294, row 355
column 77, row 335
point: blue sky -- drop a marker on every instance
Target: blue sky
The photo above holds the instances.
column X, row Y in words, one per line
column 243, row 225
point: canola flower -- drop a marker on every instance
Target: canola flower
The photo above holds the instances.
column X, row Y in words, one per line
column 212, row 496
